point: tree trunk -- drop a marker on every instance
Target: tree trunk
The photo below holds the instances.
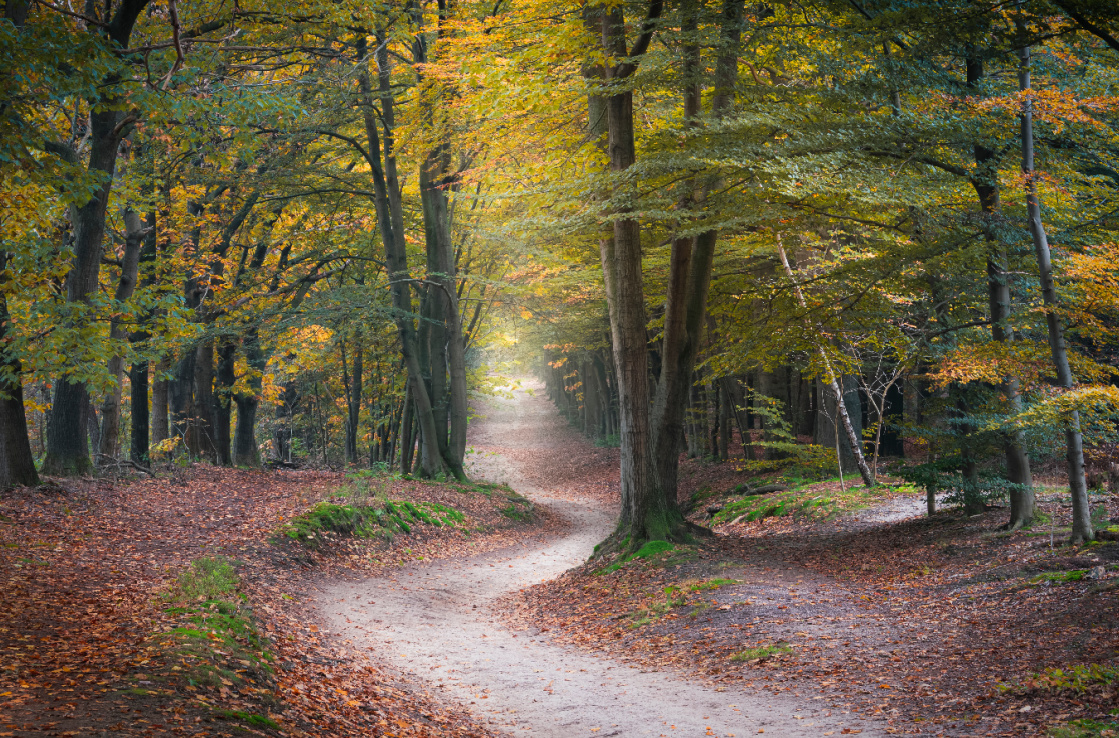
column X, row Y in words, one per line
column 140, row 417
column 998, row 296
column 854, row 438
column 1074, row 442
column 17, row 465
column 690, row 267
column 353, row 386
column 225, row 377
column 644, row 514
column 67, row 452
column 130, row 266
column 205, row 424
column 160, row 429
column 407, row 441
column 390, row 218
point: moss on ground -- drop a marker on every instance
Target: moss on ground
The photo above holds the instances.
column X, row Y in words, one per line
column 380, row 519
column 217, row 642
column 813, row 502
column 760, row 653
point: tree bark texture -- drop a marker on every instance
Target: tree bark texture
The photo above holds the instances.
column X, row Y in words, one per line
column 17, row 465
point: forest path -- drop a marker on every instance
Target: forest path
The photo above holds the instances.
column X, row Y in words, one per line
column 437, row 620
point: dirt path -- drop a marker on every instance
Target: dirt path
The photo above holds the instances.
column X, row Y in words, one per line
column 437, row 621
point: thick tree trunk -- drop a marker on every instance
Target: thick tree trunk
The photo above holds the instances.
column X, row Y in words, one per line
column 407, row 440
column 140, row 417
column 67, row 452
column 447, row 330
column 245, row 449
column 180, row 396
column 646, row 514
column 17, row 465
column 1074, row 441
column 205, row 423
column 690, row 267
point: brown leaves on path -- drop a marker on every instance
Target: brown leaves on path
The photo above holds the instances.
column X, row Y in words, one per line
column 84, row 568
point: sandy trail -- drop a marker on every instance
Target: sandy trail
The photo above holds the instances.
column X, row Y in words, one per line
column 435, row 621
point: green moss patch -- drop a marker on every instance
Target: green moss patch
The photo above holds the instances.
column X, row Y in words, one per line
column 813, row 503
column 328, row 520
column 519, row 508
column 215, row 642
column 760, row 653
column 1085, row 729
column 1075, row 678
column 1058, row 577
column 257, row 721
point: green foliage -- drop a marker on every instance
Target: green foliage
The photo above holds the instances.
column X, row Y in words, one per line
column 257, row 721
column 801, row 459
column 947, row 475
column 653, row 548
column 611, row 440
column 519, row 508
column 1078, row 678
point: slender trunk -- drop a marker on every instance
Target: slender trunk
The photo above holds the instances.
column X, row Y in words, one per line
column 833, row 385
column 353, row 385
column 130, row 266
column 406, row 440
column 139, row 416
column 1074, row 441
column 225, row 377
column 160, row 428
column 1022, row 501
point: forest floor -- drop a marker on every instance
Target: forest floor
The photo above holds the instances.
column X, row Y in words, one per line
column 860, row 602
column 114, row 619
column 811, row 612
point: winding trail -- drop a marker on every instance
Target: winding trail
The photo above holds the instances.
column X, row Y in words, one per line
column 436, row 621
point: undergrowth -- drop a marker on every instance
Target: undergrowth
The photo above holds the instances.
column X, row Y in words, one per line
column 1075, row 678
column 810, row 503
column 381, row 518
column 676, row 595
column 656, row 552
column 760, row 653
column 1085, row 729
column 216, row 643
